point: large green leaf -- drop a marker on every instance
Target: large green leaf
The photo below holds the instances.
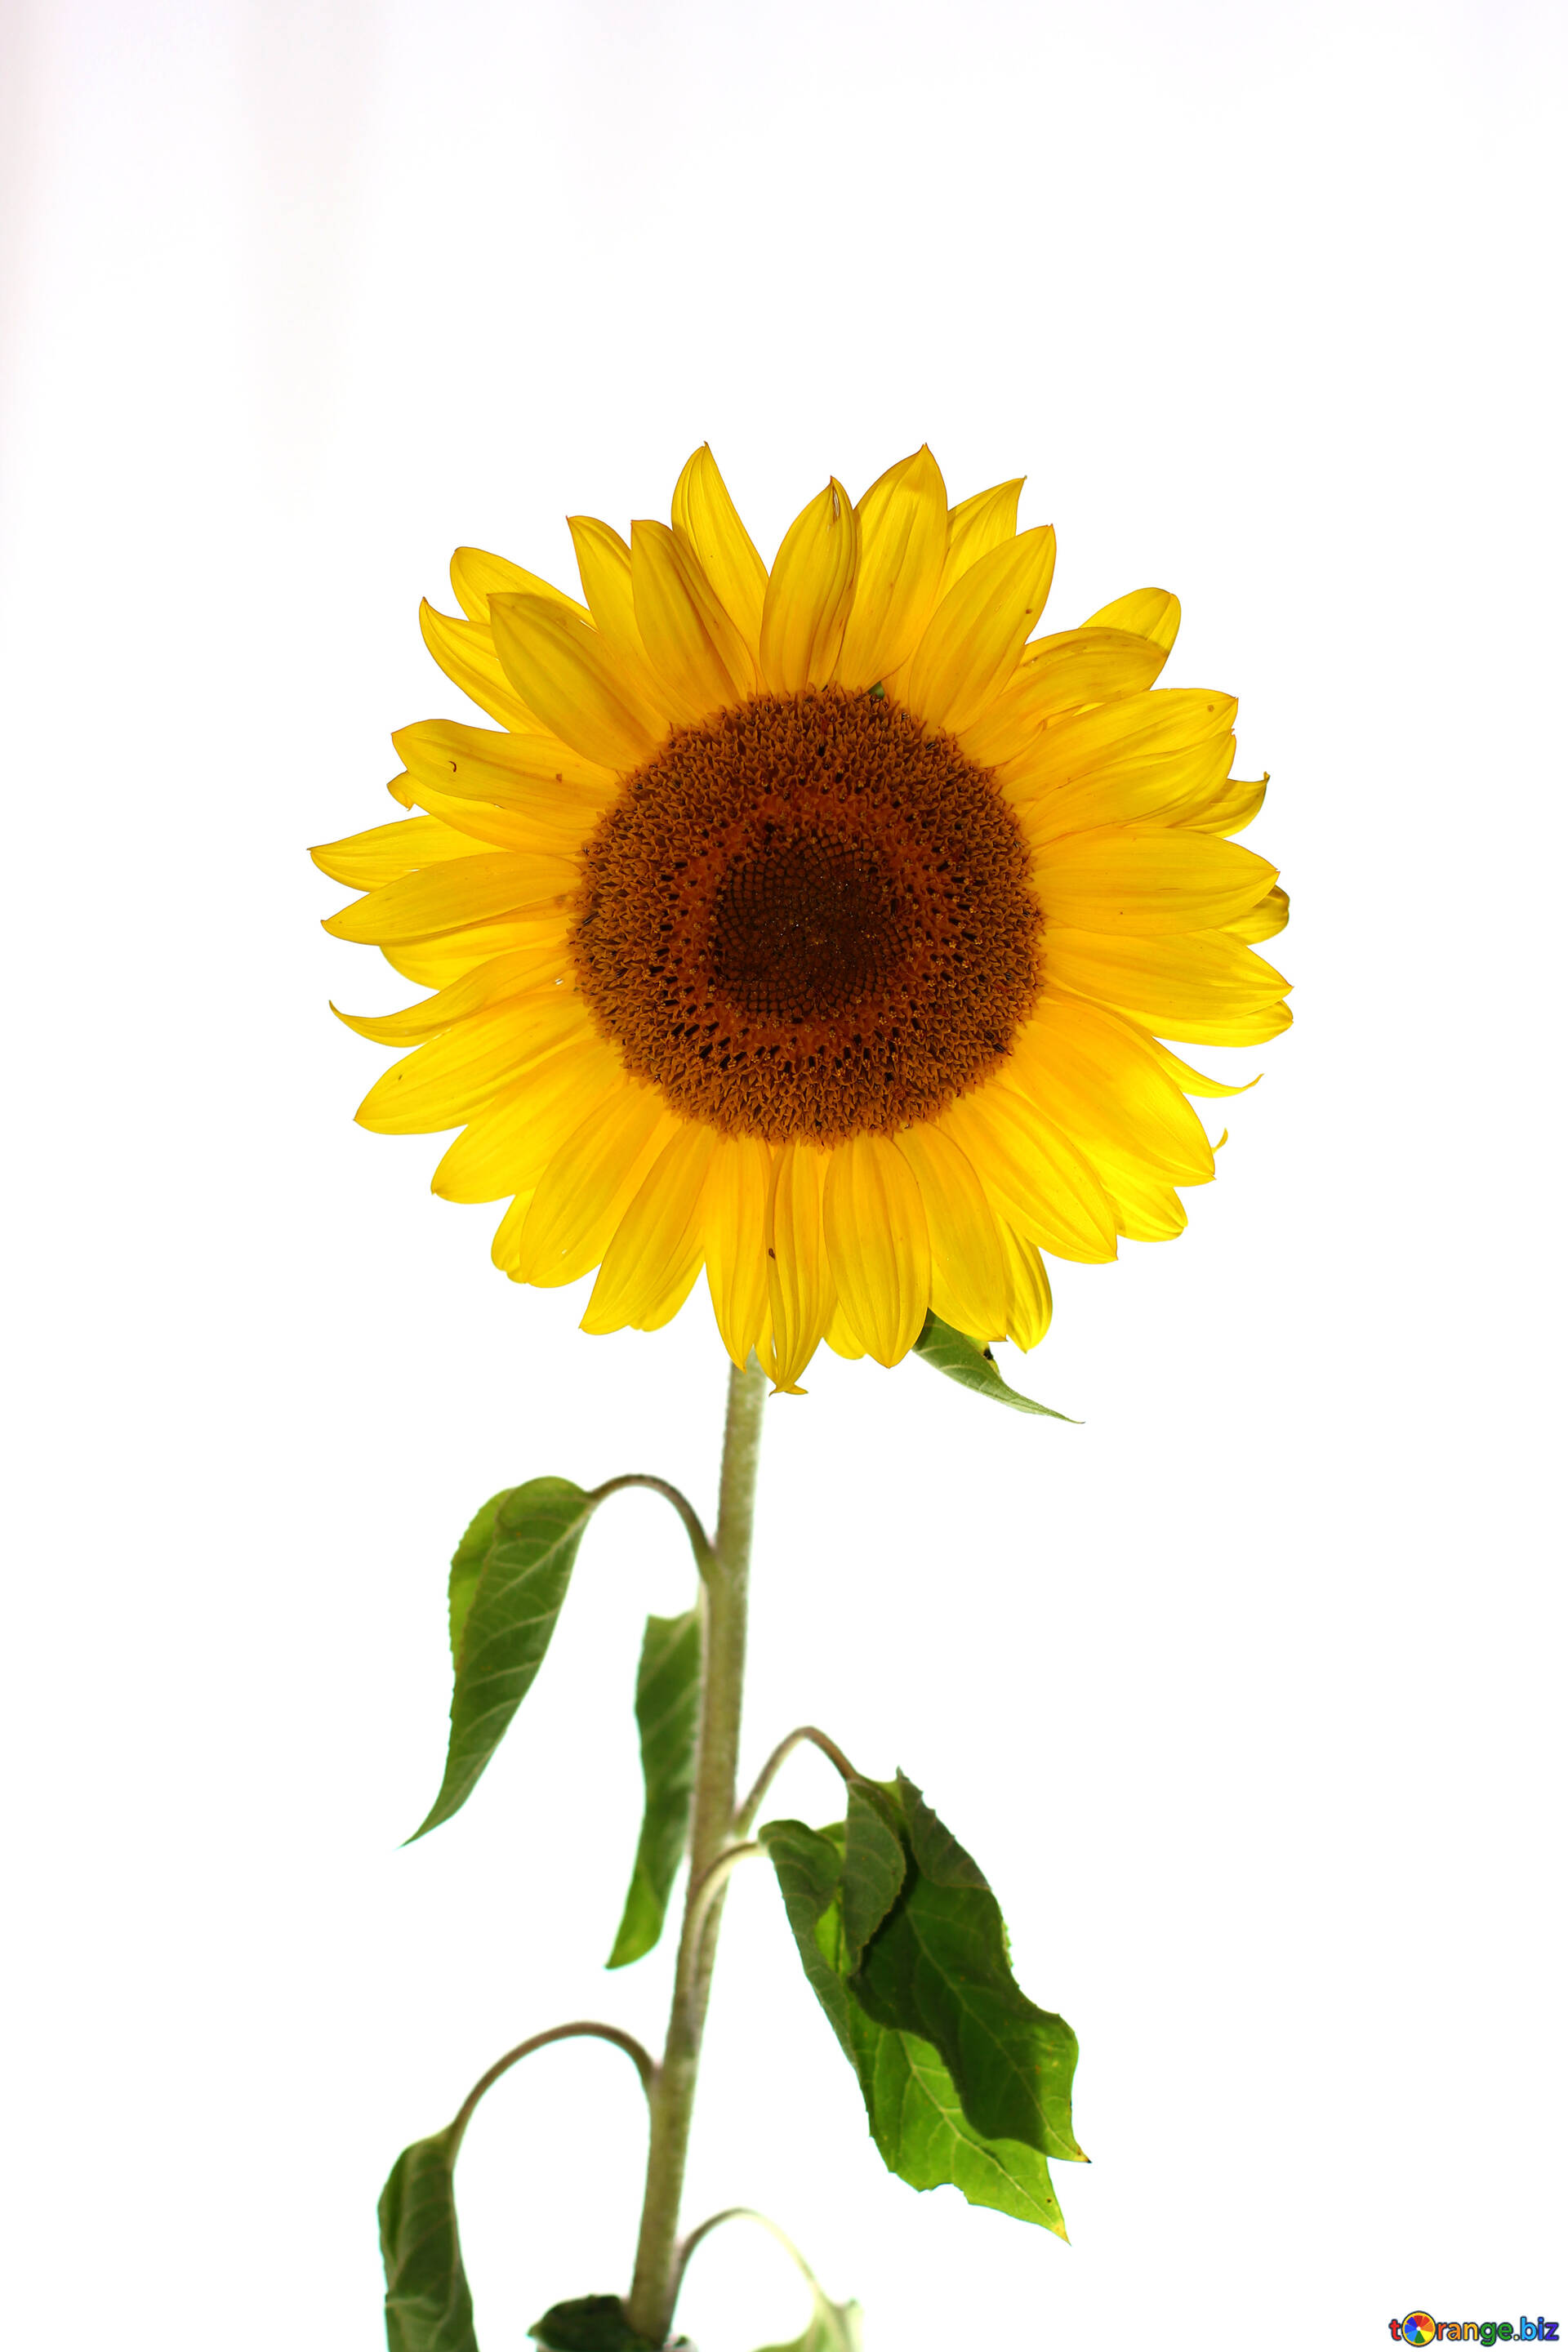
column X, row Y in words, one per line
column 973, row 1366
column 505, row 1623
column 939, row 1967
column 917, row 2117
column 670, row 1675
column 428, row 2308
column 592, row 2322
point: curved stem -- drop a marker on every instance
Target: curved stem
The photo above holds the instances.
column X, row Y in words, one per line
column 697, row 1534
column 747, row 1814
column 639, row 2057
column 651, row 2303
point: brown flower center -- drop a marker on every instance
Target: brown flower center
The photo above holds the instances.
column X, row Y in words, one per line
column 809, row 918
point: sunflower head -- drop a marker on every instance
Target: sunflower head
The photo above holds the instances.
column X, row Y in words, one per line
column 817, row 925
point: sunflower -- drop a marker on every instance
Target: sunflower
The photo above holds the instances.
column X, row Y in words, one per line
column 819, row 925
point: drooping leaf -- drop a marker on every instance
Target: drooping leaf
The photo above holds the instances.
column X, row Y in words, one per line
column 669, row 1678
column 874, row 1865
column 467, row 1561
column 939, row 1967
column 808, row 1865
column 973, row 1366
column 832, row 2327
column 429, row 2307
column 507, row 1624
column 590, row 2322
column 916, row 2116
column 923, row 2135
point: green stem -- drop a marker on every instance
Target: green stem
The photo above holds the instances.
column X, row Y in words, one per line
column 650, row 2307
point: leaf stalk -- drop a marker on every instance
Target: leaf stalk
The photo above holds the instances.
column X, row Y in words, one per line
column 697, row 1534
column 807, row 1733
column 647, row 2070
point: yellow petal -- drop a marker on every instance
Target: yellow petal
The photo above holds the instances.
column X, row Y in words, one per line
column 976, row 525
column 903, row 545
column 1167, row 790
column 1146, row 1209
column 696, row 652
column 656, row 1252
column 1095, row 1081
column 503, row 1249
column 704, row 517
column 1035, row 1177
column 841, row 1338
column 510, row 1144
column 461, row 1072
column 974, row 528
column 878, row 1247
column 444, row 898
column 1264, row 922
column 588, row 1186
column 1200, row 975
column 605, row 561
column 493, row 982
column 1151, row 613
column 969, row 1267
column 573, row 682
column 387, row 851
column 466, row 651
column 1233, row 807
column 1083, row 745
column 734, row 1245
column 808, row 596
column 477, row 576
column 1083, row 665
column 801, row 1296
column 1195, row 1082
column 431, row 963
column 1028, row 1291
column 1146, row 879
column 977, row 631
column 533, row 772
column 1221, row 1028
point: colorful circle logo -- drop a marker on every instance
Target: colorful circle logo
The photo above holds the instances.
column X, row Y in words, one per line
column 1420, row 2327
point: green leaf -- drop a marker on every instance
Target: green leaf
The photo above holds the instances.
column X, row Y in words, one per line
column 808, row 1865
column 467, row 1562
column 592, row 2323
column 873, row 1864
column 428, row 2308
column 832, row 2327
column 669, row 1678
column 939, row 1967
column 505, row 1625
column 917, row 2117
column 973, row 1366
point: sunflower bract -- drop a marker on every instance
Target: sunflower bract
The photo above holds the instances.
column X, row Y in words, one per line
column 826, row 926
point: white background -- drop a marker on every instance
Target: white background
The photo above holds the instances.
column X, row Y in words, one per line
column 1246, row 1693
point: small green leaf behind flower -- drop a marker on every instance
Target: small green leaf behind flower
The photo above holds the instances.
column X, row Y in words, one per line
column 973, row 1366
column 965, row 2081
column 832, row 2327
column 429, row 2307
column 668, row 1689
column 509, row 1579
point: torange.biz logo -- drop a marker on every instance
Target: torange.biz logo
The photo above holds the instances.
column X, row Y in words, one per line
column 1420, row 2327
